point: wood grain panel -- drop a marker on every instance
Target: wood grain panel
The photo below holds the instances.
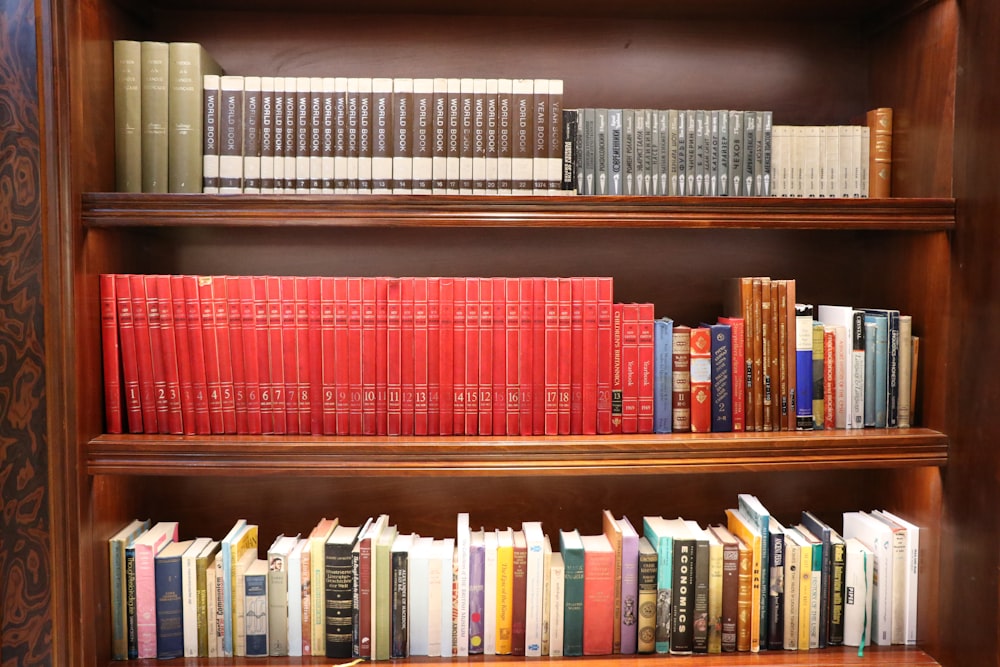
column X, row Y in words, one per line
column 25, row 557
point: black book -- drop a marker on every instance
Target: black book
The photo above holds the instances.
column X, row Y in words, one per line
column 339, row 583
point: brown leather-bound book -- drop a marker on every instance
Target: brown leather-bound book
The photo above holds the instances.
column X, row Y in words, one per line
column 879, row 123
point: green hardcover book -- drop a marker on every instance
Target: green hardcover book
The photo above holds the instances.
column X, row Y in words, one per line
column 155, row 59
column 128, row 116
column 188, row 63
column 571, row 547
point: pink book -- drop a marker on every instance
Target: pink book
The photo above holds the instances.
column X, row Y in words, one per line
column 342, row 350
column 472, row 356
column 500, row 352
column 354, row 363
column 146, row 547
column 143, row 353
column 577, row 357
column 406, row 356
column 109, row 346
column 369, row 339
column 551, row 353
column 289, row 353
column 446, row 354
column 328, row 346
column 485, row 358
column 394, row 359
column 182, row 342
column 382, row 355
column 420, row 356
column 275, row 351
column 236, row 355
column 262, row 331
column 588, row 417
column 566, row 353
column 196, row 348
column 433, row 356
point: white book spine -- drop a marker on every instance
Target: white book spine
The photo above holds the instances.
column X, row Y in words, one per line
column 439, row 137
column 278, row 140
column 352, row 135
column 340, row 162
column 231, row 137
column 423, row 167
column 435, row 588
column 382, row 140
column 557, row 597
column 267, row 135
column 462, row 553
column 189, row 591
column 534, row 588
column 447, row 552
column 294, row 598
column 492, row 130
column 328, row 116
column 523, row 164
column 418, row 580
column 555, row 153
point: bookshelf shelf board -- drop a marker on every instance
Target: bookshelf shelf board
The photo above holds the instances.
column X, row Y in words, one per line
column 514, row 456
column 110, row 210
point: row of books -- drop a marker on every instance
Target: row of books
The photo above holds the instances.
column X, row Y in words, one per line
column 820, row 160
column 377, row 592
column 374, row 356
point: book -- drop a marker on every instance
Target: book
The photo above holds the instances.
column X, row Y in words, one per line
column 646, row 610
column 418, row 592
column 255, row 608
column 231, row 95
column 490, row 583
column 721, row 395
column 798, row 588
column 154, row 98
column 904, row 401
column 169, row 608
column 730, row 586
column 239, row 601
column 399, row 594
column 743, row 528
column 804, row 367
column 193, row 595
column 534, row 600
column 297, row 594
column 815, row 549
column 556, row 601
column 144, row 549
column 277, row 598
column 463, row 536
column 571, row 548
column 117, row 544
column 478, row 579
column 629, row 587
column 879, row 123
column 520, row 597
column 612, row 530
column 128, row 115
column 317, row 590
column 188, row 63
column 663, row 375
column 702, row 573
column 598, row 594
column 661, row 534
column 824, row 533
column 900, row 566
column 859, row 585
column 505, row 591
column 911, row 576
column 877, row 536
column 681, row 386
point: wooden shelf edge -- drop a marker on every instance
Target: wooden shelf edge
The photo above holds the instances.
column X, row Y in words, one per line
column 491, row 456
column 884, row 656
column 123, row 210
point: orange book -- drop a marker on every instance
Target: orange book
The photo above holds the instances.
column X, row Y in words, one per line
column 598, row 595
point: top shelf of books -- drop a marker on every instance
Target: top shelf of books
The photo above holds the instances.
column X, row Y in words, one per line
column 125, row 210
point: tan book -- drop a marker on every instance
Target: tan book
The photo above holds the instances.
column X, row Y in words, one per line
column 188, row 64
column 128, row 116
column 155, row 59
column 879, row 123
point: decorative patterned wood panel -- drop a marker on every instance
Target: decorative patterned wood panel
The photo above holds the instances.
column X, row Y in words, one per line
column 25, row 542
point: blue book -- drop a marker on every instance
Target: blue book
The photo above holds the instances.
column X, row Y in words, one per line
column 169, row 601
column 663, row 374
column 228, row 542
column 891, row 368
column 722, row 377
column 477, row 590
column 880, row 357
column 803, row 366
column 255, row 609
column 117, row 545
column 660, row 533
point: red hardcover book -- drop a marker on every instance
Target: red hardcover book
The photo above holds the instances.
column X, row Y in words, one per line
column 446, row 355
column 519, row 608
column 381, row 355
column 261, row 315
column 539, row 346
column 605, row 353
column 577, row 356
column 421, row 337
column 196, row 348
column 737, row 326
column 617, row 367
column 500, row 353
column 328, row 354
column 394, row 363
column 289, row 353
column 251, row 367
column 130, row 363
column 551, row 352
column 110, row 355
column 485, row 357
column 149, row 313
column 354, row 341
column 566, row 360
column 681, row 372
column 433, row 356
column 512, row 360
column 369, row 348
column 459, row 343
column 646, row 356
column 630, row 368
column 472, row 356
column 406, row 356
column 829, row 378
column 342, row 355
column 182, row 342
column 168, row 348
column 598, row 595
column 275, row 351
column 588, row 425
column 701, row 380
column 311, row 368
column 213, row 379
column 525, row 357
column 220, row 306
column 235, row 322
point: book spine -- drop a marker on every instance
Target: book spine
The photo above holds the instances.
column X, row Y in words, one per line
column 337, row 613
column 192, row 390
column 539, row 136
column 234, row 320
column 590, row 355
column 128, row 115
column 722, row 377
column 446, row 351
column 646, row 621
column 459, row 359
column 479, row 137
column 315, row 134
column 110, row 355
column 663, row 375
column 129, row 354
column 484, row 360
column 521, row 146
column 683, row 584
column 472, row 361
column 477, row 582
column 730, row 595
column 394, row 356
column 251, row 134
column 231, row 95
column 340, row 131
column 421, row 357
column 154, row 96
column 605, row 354
column 515, row 345
column 577, row 359
column 552, row 350
column 644, row 369
column 143, row 351
column 171, row 360
column 630, row 368
column 169, row 611
column 340, row 359
column 681, row 393
column 423, row 168
column 879, row 122
column 804, row 367
column 540, row 333
column 439, row 137
column 701, row 380
column 433, row 356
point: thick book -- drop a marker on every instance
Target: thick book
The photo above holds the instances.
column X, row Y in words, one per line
column 646, row 601
column 188, row 64
column 111, row 357
column 722, row 377
column 730, row 586
column 154, row 94
column 534, row 599
column 879, row 122
column 911, row 575
column 128, row 116
column 556, row 600
column 804, row 367
column 629, row 587
column 255, row 608
column 663, row 364
column 598, row 594
column 418, row 592
column 701, row 379
column 169, row 611
column 680, row 407
column 399, row 595
column 878, row 537
column 571, row 547
column 859, row 588
column 745, row 530
column 144, row 549
column 192, row 600
column 117, row 545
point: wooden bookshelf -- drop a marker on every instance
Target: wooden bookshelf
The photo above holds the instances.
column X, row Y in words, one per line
column 811, row 63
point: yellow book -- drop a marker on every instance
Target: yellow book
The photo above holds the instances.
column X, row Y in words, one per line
column 805, row 573
column 741, row 527
column 505, row 591
column 317, row 590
